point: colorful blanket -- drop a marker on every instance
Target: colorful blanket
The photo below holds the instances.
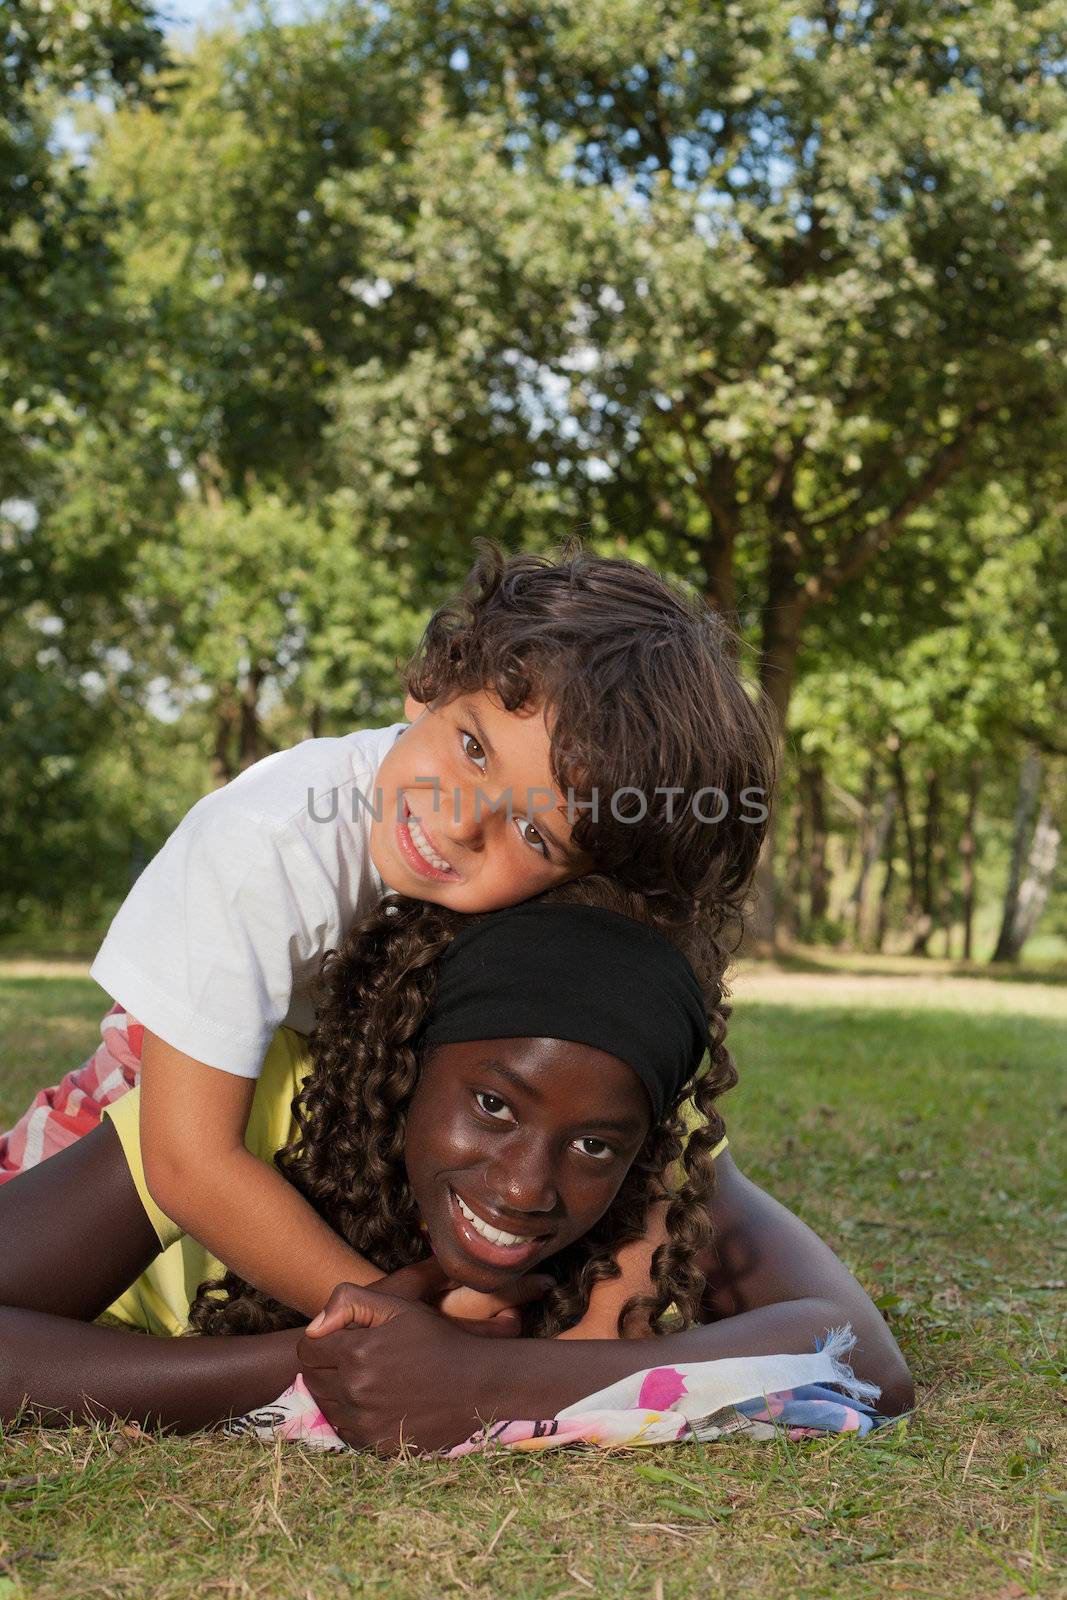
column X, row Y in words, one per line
column 751, row 1397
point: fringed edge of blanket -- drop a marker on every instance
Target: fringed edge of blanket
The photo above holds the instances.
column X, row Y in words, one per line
column 838, row 1345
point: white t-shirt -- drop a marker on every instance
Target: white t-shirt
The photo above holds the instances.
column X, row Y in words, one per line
column 220, row 939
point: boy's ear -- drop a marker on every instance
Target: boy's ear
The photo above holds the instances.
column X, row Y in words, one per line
column 413, row 708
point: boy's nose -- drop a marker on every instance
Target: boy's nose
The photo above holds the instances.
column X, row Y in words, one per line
column 465, row 817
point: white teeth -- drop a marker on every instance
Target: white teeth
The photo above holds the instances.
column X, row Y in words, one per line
column 424, row 847
column 494, row 1235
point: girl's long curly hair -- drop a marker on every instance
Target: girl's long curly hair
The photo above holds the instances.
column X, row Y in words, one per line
column 376, row 994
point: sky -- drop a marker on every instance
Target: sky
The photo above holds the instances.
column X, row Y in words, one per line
column 185, row 17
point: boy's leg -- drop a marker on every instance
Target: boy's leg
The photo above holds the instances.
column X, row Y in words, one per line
column 61, row 1115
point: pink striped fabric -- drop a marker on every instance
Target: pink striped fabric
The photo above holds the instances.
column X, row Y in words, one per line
column 63, row 1114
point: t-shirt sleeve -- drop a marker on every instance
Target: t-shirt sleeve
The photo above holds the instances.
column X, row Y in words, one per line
column 206, row 947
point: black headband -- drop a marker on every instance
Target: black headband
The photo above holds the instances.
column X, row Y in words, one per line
column 552, row 971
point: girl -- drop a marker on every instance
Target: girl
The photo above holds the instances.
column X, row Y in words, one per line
column 511, row 1096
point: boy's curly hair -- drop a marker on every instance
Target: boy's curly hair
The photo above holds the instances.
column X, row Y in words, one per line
column 347, row 1158
column 645, row 696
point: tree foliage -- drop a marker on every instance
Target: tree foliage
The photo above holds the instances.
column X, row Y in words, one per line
column 56, row 263
column 771, row 295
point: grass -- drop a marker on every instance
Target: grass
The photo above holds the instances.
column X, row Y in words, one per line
column 925, row 1144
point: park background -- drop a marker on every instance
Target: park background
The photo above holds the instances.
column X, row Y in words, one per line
column 294, row 307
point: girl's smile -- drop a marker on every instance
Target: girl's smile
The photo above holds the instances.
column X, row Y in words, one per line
column 515, row 1148
column 491, row 1242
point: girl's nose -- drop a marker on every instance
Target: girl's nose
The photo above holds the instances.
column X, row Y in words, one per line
column 521, row 1178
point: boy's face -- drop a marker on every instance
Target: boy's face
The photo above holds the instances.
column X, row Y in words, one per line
column 470, row 816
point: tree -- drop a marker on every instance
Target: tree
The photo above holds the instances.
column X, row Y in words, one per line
column 770, row 295
column 195, row 544
column 277, row 617
column 1035, row 844
column 767, row 278
column 56, row 266
column 939, row 703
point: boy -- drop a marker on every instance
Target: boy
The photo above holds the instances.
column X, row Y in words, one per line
column 564, row 717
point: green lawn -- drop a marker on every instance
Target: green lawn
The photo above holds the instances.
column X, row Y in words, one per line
column 926, row 1145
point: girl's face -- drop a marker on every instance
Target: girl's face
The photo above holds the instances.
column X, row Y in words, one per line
column 516, row 1147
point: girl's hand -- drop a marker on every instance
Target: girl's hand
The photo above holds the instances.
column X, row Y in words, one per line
column 396, row 1372
column 491, row 1316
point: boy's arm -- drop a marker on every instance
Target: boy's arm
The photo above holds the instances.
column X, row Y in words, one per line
column 73, row 1235
column 193, row 1120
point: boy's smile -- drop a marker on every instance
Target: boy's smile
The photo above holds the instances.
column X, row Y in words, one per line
column 470, row 815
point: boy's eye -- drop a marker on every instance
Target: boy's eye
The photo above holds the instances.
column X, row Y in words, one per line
column 472, row 748
column 530, row 836
column 595, row 1148
column 492, row 1105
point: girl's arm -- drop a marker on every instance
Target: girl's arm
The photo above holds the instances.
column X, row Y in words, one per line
column 193, row 1120
column 73, row 1236
column 774, row 1288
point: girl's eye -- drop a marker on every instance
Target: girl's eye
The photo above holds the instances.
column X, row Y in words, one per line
column 472, row 748
column 492, row 1105
column 599, row 1151
column 530, row 836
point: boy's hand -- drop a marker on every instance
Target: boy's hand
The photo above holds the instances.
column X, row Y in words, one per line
column 492, row 1316
column 470, row 1306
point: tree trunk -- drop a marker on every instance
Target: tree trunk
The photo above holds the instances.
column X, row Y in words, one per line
column 1034, row 893
column 718, row 489
column 1008, row 946
column 931, row 828
column 874, row 846
column 909, row 827
column 819, row 879
column 718, row 560
column 222, row 764
column 943, row 890
column 782, row 618
column 1027, row 894
column 795, row 870
column 862, row 849
column 968, row 853
column 887, row 883
column 251, row 747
